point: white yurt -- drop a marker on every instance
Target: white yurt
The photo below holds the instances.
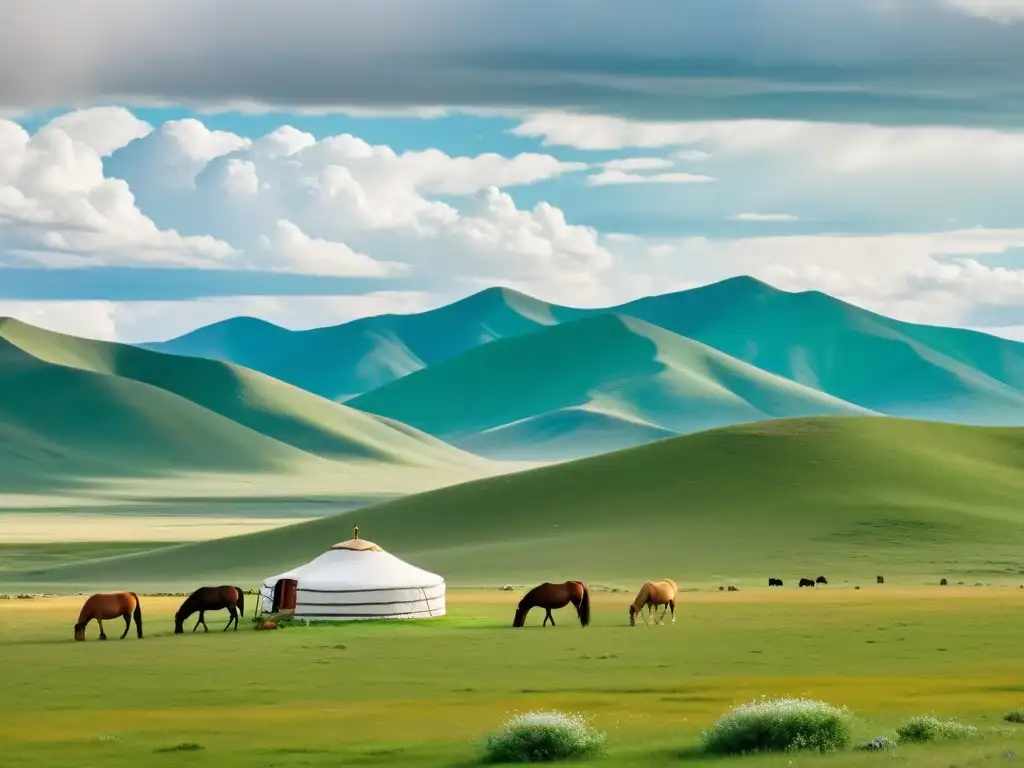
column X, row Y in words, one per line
column 355, row 579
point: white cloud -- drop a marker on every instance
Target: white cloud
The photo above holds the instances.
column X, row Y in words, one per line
column 845, row 148
column 341, row 192
column 765, row 217
column 921, row 277
column 102, row 129
column 316, row 256
column 58, row 208
column 284, row 202
column 637, row 164
column 1002, row 11
column 692, row 155
column 609, row 178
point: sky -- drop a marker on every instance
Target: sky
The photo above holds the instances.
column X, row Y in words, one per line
column 168, row 165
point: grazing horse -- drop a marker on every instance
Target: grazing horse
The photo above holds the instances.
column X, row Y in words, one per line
column 653, row 594
column 806, row 583
column 104, row 606
column 554, row 596
column 211, row 599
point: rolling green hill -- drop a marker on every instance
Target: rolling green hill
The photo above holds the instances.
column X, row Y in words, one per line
column 881, row 364
column 72, row 409
column 603, row 382
column 341, row 361
column 63, row 424
column 844, row 497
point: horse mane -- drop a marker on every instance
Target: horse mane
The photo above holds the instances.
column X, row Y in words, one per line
column 187, row 608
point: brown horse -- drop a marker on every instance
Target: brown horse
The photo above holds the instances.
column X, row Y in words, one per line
column 653, row 594
column 110, row 606
column 554, row 596
column 211, row 599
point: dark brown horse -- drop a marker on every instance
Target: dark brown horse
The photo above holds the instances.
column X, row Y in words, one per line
column 105, row 606
column 552, row 597
column 211, row 599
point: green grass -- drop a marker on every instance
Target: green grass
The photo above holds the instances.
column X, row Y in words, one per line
column 613, row 366
column 427, row 693
column 844, row 498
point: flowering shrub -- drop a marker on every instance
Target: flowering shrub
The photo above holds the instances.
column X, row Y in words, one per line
column 543, row 737
column 777, row 725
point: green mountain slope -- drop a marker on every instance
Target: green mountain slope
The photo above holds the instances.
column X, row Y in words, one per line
column 886, row 365
column 844, row 497
column 633, row 376
column 64, row 424
column 341, row 361
column 285, row 413
column 74, row 412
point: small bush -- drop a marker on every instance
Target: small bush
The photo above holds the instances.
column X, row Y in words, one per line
column 875, row 745
column 1017, row 716
column 777, row 725
column 543, row 737
column 925, row 728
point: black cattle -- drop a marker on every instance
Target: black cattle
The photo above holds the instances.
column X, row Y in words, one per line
column 821, row 580
column 772, row 582
column 943, row 583
column 879, row 579
column 806, row 583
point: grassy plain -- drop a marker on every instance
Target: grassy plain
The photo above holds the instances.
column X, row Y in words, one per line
column 421, row 694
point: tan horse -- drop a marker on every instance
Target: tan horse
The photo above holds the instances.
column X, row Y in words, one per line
column 105, row 606
column 653, row 594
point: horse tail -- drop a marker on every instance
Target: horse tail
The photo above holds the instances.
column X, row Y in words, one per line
column 584, row 608
column 137, row 613
column 241, row 602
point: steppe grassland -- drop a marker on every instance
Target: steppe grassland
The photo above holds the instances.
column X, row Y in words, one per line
column 422, row 693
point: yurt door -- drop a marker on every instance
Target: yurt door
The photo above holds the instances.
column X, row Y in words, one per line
column 289, row 590
column 284, row 595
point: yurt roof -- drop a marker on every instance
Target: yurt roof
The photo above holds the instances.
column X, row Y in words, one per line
column 355, row 544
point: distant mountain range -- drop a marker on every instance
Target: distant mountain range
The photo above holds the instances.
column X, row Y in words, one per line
column 589, row 386
column 505, row 375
